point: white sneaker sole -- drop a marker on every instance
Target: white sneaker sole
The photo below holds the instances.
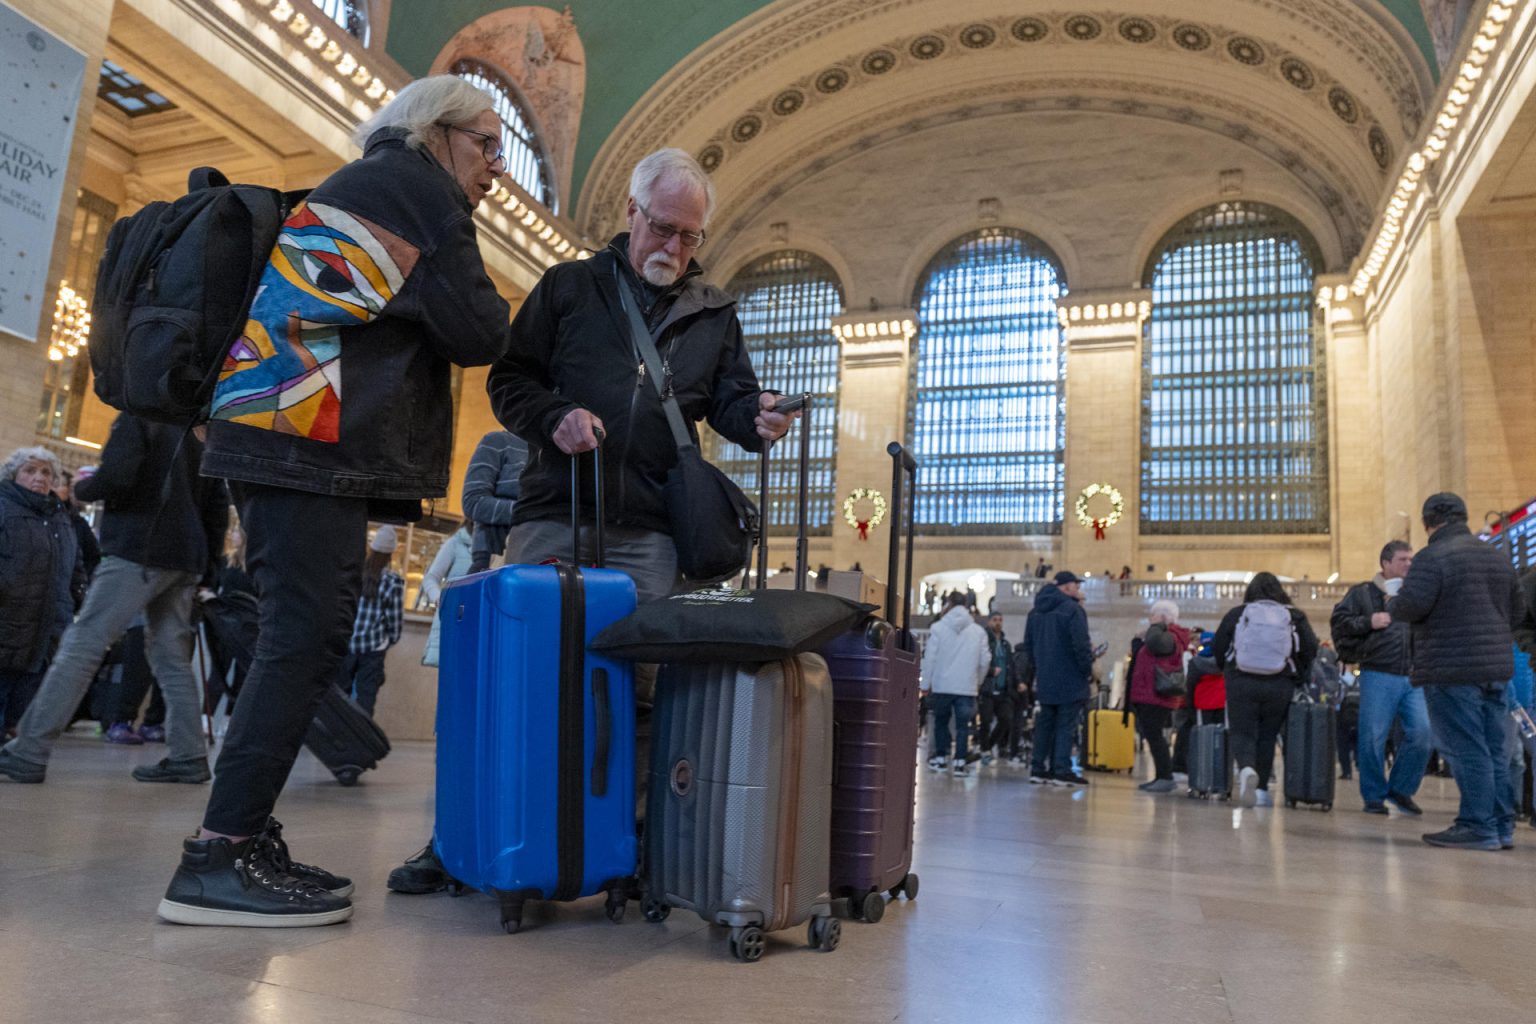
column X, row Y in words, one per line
column 344, row 891
column 182, row 913
column 1247, row 789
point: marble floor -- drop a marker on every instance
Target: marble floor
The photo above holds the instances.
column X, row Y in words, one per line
column 1103, row 906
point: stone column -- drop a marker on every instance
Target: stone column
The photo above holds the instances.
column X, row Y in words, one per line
column 1355, row 464
column 872, row 412
column 1103, row 398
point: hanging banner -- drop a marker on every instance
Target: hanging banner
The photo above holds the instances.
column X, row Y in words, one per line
column 40, row 78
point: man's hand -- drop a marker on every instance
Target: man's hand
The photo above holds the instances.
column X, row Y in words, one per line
column 1381, row 620
column 772, row 425
column 576, row 432
column 996, row 671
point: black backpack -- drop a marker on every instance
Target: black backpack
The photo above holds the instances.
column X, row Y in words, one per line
column 173, row 293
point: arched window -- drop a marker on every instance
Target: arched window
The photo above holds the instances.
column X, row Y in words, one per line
column 986, row 409
column 519, row 141
column 1233, row 420
column 351, row 15
column 786, row 301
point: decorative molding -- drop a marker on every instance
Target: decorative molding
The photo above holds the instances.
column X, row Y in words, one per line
column 778, row 34
column 875, row 337
column 1309, row 163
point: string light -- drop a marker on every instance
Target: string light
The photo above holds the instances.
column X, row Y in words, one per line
column 1457, row 98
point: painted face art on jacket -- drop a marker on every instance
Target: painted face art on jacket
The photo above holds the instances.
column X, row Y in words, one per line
column 329, row 270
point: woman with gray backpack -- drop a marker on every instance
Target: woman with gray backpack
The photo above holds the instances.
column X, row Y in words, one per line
column 1265, row 647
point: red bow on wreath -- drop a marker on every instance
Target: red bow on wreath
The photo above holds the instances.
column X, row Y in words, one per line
column 1098, row 529
column 863, row 529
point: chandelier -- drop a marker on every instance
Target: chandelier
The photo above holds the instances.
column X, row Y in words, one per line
column 71, row 324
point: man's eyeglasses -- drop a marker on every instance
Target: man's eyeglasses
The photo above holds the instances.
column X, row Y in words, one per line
column 490, row 145
column 691, row 239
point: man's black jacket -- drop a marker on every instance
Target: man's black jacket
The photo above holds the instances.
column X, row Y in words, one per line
column 1377, row 650
column 1461, row 598
column 187, row 532
column 571, row 348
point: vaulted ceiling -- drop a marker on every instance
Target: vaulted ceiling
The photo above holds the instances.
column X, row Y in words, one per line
column 1313, row 99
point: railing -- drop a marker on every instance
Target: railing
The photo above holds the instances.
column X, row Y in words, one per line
column 1104, row 592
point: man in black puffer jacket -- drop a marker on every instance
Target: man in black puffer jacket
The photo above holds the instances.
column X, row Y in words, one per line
column 1056, row 636
column 1367, row 636
column 1461, row 598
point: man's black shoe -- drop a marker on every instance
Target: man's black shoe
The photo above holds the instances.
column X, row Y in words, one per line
column 194, row 769
column 1458, row 837
column 1405, row 803
column 421, row 874
column 17, row 770
column 1375, row 807
column 1069, row 779
column 272, row 837
column 225, row 883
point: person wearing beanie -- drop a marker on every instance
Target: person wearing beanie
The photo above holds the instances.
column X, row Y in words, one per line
column 380, row 616
column 1461, row 601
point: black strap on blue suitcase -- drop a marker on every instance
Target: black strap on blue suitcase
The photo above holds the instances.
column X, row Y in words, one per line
column 572, row 746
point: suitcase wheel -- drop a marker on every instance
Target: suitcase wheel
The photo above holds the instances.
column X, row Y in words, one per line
column 455, row 888
column 511, row 912
column 614, row 908
column 654, row 910
column 1291, row 804
column 826, row 932
column 907, row 888
column 871, row 908
column 749, row 943
column 347, row 774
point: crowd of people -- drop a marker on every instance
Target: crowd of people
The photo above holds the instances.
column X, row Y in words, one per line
column 1429, row 662
column 568, row 376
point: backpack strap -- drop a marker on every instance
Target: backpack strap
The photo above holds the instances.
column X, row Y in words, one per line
column 206, row 177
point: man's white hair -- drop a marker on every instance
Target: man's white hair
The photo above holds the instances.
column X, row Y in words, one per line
column 21, row 456
column 1164, row 609
column 674, row 165
column 426, row 102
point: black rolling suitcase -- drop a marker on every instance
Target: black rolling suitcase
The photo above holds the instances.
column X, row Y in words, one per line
column 1210, row 771
column 1311, row 753
column 344, row 738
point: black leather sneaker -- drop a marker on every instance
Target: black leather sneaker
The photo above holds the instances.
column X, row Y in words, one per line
column 236, row 884
column 421, row 874
column 1405, row 803
column 1375, row 807
column 193, row 769
column 272, row 837
column 17, row 770
column 1459, row 837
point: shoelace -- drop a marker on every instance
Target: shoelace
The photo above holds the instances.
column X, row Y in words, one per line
column 253, row 871
column 271, row 839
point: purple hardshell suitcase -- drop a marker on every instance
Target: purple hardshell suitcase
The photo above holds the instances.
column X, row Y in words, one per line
column 875, row 689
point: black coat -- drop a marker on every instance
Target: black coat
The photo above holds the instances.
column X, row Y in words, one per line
column 1378, row 650
column 571, row 348
column 186, row 532
column 1056, row 634
column 1306, row 649
column 1461, row 599
column 40, row 567
column 387, row 434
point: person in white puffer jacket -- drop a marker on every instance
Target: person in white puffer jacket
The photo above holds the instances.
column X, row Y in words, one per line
column 955, row 659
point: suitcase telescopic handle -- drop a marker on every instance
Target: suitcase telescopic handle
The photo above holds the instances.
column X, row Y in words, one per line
column 801, row 403
column 597, row 501
column 903, row 471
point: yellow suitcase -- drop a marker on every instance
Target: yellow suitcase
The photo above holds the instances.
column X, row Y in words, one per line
column 1111, row 741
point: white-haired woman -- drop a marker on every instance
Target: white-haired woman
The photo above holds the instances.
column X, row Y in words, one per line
column 1162, row 650
column 335, row 408
column 40, row 567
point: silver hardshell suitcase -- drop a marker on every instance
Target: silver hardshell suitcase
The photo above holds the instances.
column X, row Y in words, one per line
column 738, row 823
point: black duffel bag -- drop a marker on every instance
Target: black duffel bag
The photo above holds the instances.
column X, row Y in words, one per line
column 712, row 626
column 713, row 522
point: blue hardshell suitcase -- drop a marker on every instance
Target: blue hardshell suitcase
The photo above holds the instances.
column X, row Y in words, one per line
column 536, row 736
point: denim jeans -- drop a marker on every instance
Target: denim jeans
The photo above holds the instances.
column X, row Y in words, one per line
column 120, row 590
column 963, row 709
column 1470, row 726
column 1055, row 726
column 1383, row 699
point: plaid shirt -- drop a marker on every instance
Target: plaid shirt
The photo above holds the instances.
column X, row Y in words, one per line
column 380, row 615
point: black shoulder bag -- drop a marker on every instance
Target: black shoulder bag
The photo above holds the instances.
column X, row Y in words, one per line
column 713, row 522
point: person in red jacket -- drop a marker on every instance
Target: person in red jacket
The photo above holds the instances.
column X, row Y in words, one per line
column 1162, row 650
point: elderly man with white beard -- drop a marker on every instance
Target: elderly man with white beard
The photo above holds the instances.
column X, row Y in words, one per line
column 574, row 376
